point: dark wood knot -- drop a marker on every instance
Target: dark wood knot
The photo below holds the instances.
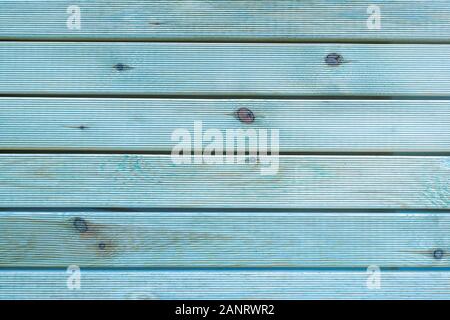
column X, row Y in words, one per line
column 245, row 115
column 80, row 225
column 334, row 59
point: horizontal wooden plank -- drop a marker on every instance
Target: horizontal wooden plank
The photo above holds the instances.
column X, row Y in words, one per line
column 226, row 20
column 223, row 239
column 147, row 124
column 223, row 69
column 96, row 180
column 221, row 285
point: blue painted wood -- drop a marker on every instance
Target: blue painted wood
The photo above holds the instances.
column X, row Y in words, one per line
column 110, row 239
column 223, row 69
column 124, row 64
column 225, row 284
column 100, row 180
column 148, row 124
column 267, row 20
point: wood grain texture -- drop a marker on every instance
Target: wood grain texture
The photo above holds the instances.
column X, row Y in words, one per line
column 223, row 69
column 223, row 239
column 224, row 285
column 127, row 246
column 323, row 20
column 147, row 124
column 96, row 180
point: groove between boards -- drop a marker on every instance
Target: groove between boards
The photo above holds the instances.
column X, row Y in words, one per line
column 231, row 41
column 221, row 97
column 251, row 210
column 281, row 153
column 227, row 269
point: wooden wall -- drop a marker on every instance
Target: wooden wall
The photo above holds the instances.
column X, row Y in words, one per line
column 91, row 91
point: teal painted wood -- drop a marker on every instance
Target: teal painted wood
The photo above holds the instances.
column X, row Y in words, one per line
column 220, row 240
column 226, row 284
column 223, row 239
column 227, row 20
column 96, row 180
column 223, row 69
column 147, row 124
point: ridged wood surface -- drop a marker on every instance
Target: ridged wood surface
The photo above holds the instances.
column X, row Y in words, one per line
column 199, row 69
column 224, row 284
column 148, row 124
column 371, row 132
column 286, row 20
column 245, row 239
column 98, row 180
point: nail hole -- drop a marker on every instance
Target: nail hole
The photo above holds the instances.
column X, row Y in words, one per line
column 80, row 224
column 102, row 246
column 438, row 254
column 334, row 59
column 245, row 115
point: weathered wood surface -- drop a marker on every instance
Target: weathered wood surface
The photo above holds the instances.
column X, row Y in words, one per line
column 317, row 20
column 83, row 89
column 96, row 180
column 226, row 284
column 223, row 239
column 147, row 124
column 194, row 69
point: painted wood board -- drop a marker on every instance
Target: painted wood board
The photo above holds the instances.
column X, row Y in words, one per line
column 317, row 20
column 131, row 180
column 171, row 239
column 205, row 69
column 223, row 284
column 147, row 124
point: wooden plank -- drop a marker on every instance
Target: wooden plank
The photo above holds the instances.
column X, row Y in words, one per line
column 226, row 20
column 147, row 124
column 223, row 239
column 228, row 284
column 223, row 69
column 101, row 180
